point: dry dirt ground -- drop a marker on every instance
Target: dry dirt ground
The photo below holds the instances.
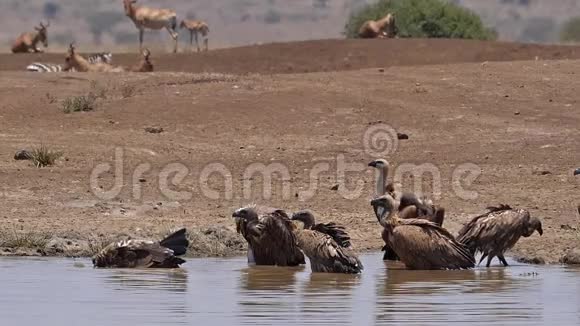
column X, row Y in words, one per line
column 516, row 122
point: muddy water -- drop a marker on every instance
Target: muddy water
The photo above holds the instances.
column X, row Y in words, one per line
column 227, row 292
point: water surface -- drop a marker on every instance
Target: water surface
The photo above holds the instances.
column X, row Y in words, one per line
column 53, row 291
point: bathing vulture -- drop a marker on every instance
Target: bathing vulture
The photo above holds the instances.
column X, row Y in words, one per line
column 497, row 231
column 144, row 253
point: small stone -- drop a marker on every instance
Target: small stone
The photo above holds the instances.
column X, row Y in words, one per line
column 142, row 180
column 23, row 154
column 154, row 130
column 402, row 136
column 572, row 257
column 531, row 260
column 335, row 187
column 517, row 113
column 381, row 69
column 577, row 171
column 541, row 172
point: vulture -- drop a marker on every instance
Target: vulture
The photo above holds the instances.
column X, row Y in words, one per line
column 144, row 253
column 497, row 231
column 326, row 245
column 270, row 236
column 410, row 206
column 420, row 243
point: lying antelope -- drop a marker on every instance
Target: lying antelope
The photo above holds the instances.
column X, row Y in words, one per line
column 27, row 42
column 196, row 27
column 151, row 18
column 382, row 28
column 75, row 61
column 103, row 57
column 145, row 65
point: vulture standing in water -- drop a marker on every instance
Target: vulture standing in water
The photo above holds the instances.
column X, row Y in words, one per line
column 497, row 231
column 326, row 245
column 410, row 206
column 270, row 236
column 419, row 243
column 144, row 253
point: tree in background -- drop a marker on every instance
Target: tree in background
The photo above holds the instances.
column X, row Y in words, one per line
column 423, row 18
column 570, row 31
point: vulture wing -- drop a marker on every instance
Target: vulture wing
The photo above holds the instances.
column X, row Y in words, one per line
column 335, row 231
column 326, row 255
column 421, row 244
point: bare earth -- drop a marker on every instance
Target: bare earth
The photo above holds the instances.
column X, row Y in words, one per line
column 516, row 121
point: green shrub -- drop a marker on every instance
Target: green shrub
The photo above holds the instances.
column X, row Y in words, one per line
column 423, row 18
column 570, row 31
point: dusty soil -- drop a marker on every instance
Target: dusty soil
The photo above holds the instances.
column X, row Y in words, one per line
column 516, row 121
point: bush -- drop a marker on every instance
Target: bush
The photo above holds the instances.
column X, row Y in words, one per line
column 571, row 30
column 423, row 18
column 79, row 103
column 43, row 156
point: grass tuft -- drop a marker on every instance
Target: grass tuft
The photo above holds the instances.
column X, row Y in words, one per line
column 43, row 156
column 83, row 103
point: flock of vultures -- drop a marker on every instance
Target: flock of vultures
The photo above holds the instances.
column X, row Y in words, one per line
column 412, row 229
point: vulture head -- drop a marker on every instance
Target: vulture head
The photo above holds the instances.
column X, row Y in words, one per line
column 534, row 224
column 379, row 164
column 246, row 213
column 384, row 206
column 305, row 216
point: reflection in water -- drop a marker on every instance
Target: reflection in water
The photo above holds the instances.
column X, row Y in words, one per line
column 227, row 292
column 172, row 280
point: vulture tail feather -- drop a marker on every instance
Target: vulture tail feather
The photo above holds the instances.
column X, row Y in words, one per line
column 177, row 242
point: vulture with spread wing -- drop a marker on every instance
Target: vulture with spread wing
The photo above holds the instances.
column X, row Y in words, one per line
column 144, row 253
column 270, row 236
column 497, row 231
column 327, row 245
column 420, row 243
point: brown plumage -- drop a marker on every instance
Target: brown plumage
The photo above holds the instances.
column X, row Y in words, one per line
column 327, row 246
column 270, row 236
column 497, row 231
column 27, row 42
column 419, row 243
column 144, row 253
column 409, row 204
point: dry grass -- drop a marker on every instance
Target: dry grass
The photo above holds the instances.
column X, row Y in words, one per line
column 43, row 156
column 23, row 239
column 84, row 103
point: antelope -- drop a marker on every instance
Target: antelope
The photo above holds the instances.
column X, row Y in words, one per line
column 151, row 18
column 28, row 41
column 103, row 57
column 382, row 28
column 75, row 61
column 196, row 27
column 145, row 65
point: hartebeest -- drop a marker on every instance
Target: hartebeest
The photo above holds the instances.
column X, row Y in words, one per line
column 196, row 27
column 151, row 18
column 145, row 64
column 75, row 61
column 382, row 28
column 27, row 42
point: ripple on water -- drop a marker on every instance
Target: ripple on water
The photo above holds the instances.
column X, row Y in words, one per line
column 228, row 292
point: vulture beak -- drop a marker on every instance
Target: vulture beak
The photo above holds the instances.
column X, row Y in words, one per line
column 237, row 214
column 373, row 164
column 540, row 231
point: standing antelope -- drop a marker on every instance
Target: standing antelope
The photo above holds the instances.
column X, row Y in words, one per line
column 151, row 18
column 195, row 27
column 28, row 41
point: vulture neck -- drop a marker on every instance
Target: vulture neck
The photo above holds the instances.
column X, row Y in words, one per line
column 382, row 180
